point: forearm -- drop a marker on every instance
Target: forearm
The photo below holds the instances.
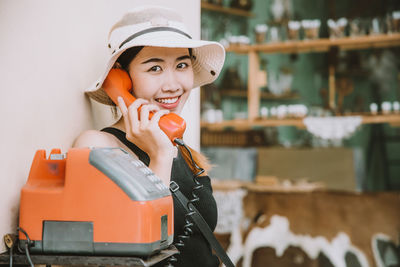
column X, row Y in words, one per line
column 161, row 165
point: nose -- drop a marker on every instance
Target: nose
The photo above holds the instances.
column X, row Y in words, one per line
column 171, row 82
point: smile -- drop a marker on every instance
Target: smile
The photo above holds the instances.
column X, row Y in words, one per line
column 167, row 100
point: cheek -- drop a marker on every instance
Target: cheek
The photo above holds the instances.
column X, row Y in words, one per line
column 142, row 87
column 189, row 80
column 183, row 100
column 186, row 81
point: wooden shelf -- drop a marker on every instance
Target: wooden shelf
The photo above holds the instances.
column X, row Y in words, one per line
column 244, row 125
column 232, row 185
column 393, row 119
column 263, row 95
column 226, row 10
column 321, row 45
column 257, row 78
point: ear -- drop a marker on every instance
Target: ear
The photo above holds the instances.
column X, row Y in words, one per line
column 117, row 65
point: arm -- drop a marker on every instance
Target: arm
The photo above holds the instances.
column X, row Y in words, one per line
column 147, row 135
column 162, row 167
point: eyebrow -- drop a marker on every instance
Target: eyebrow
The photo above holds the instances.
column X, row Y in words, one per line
column 162, row 60
column 183, row 57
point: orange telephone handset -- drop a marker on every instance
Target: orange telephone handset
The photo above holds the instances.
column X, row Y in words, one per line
column 118, row 83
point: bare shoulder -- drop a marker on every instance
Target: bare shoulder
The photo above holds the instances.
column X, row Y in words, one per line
column 93, row 138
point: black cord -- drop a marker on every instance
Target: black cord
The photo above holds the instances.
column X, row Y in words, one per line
column 197, row 185
column 28, row 256
column 27, row 245
column 187, row 228
column 11, row 254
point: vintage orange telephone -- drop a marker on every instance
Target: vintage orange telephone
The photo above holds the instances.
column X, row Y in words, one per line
column 68, row 205
column 118, row 83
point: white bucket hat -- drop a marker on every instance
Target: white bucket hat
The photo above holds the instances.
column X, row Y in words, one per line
column 159, row 27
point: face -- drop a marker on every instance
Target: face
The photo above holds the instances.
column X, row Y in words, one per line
column 163, row 76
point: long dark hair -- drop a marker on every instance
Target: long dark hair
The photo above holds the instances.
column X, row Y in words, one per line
column 124, row 60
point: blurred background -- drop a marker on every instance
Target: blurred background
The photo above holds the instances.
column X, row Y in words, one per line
column 303, row 130
column 334, row 61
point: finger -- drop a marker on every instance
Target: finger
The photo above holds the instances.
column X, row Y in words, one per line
column 133, row 112
column 122, row 105
column 124, row 111
column 157, row 116
column 138, row 102
column 146, row 109
column 145, row 113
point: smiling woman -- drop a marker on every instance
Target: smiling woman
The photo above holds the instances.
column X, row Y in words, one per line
column 164, row 76
column 156, row 62
column 164, row 64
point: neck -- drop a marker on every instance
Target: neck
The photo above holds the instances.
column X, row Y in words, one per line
column 119, row 124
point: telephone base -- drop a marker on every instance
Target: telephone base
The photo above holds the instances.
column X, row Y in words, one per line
column 76, row 237
column 74, row 260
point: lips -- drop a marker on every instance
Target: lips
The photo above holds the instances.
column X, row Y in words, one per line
column 168, row 102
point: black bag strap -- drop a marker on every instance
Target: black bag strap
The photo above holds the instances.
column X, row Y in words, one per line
column 201, row 224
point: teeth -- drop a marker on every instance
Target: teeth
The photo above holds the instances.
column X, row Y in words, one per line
column 167, row 100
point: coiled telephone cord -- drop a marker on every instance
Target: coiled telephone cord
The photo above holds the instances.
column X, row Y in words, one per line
column 187, row 228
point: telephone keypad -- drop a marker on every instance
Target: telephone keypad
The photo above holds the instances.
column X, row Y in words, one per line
column 131, row 174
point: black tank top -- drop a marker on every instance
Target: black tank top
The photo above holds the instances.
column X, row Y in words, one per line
column 197, row 251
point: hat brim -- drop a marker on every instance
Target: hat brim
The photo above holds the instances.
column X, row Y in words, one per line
column 208, row 59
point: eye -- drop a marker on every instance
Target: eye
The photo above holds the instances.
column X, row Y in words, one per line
column 182, row 65
column 155, row 69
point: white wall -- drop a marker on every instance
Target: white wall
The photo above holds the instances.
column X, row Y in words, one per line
column 50, row 52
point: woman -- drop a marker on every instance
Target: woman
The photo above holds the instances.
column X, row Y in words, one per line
column 164, row 63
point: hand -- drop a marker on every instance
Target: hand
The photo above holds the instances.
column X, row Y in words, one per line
column 147, row 135
column 145, row 132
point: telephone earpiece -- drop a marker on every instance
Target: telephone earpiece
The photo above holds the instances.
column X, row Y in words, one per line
column 118, row 83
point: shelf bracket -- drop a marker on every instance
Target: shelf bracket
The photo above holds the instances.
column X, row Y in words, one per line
column 333, row 61
column 332, row 87
column 256, row 78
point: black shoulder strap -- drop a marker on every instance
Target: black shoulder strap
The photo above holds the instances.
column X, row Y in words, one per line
column 122, row 137
column 201, row 224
